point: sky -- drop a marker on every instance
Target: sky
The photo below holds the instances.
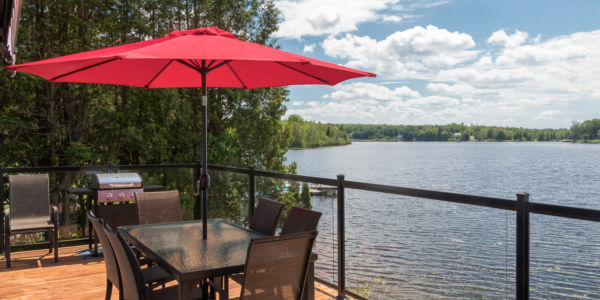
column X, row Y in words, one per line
column 532, row 64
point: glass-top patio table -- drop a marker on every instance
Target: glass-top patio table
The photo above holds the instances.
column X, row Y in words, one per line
column 179, row 248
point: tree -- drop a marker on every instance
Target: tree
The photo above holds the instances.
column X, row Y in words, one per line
column 305, row 196
column 49, row 124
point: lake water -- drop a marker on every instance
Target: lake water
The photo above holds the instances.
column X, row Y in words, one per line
column 407, row 248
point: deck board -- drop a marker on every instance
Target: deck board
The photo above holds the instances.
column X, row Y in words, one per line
column 35, row 275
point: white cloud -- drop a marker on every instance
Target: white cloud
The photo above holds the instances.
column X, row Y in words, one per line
column 312, row 104
column 391, row 18
column 429, row 4
column 508, row 41
column 528, row 82
column 297, row 103
column 331, row 17
column 413, row 53
column 360, row 90
column 373, row 103
column 323, row 17
column 309, row 48
column 458, row 89
column 548, row 114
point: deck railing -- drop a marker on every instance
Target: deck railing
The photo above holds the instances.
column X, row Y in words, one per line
column 520, row 205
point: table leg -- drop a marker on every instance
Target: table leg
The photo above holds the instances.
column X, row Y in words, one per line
column 185, row 290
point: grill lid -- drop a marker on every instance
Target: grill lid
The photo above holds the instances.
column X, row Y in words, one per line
column 115, row 181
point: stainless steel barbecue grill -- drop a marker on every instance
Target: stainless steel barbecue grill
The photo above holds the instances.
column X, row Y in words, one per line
column 114, row 195
column 116, row 187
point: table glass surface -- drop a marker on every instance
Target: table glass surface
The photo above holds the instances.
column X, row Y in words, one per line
column 181, row 246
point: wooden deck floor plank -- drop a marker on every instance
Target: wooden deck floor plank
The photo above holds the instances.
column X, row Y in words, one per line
column 34, row 275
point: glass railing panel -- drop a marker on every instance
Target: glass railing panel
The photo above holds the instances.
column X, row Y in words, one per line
column 326, row 246
column 228, row 196
column 294, row 193
column 180, row 179
column 564, row 258
column 408, row 248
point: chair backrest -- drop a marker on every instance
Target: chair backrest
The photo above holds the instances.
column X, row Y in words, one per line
column 265, row 217
column 301, row 220
column 132, row 281
column 112, row 268
column 276, row 266
column 29, row 196
column 158, row 207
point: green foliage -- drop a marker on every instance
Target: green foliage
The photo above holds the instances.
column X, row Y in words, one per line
column 305, row 197
column 447, row 132
column 46, row 124
column 586, row 131
column 50, row 124
column 307, row 134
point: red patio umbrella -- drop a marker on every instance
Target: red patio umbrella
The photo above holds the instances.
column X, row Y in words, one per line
column 203, row 57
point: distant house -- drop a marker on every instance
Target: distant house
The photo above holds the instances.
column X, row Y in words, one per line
column 457, row 135
column 10, row 11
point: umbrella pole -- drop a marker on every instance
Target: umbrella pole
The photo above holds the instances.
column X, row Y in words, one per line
column 204, row 177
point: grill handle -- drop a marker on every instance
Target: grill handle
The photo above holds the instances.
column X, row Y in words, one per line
column 121, row 185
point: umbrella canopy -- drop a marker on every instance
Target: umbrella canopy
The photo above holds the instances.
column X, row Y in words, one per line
column 175, row 61
column 203, row 57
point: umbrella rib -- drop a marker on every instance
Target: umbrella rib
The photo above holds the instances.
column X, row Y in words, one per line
column 304, row 73
column 196, row 63
column 187, row 64
column 236, row 75
column 158, row 74
column 83, row 69
column 219, row 65
column 211, row 63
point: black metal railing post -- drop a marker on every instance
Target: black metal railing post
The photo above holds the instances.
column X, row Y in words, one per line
column 197, row 173
column 522, row 246
column 251, row 192
column 341, row 229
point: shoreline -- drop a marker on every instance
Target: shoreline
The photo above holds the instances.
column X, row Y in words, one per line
column 486, row 141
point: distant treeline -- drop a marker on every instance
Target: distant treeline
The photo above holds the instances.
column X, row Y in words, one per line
column 586, row 131
column 308, row 134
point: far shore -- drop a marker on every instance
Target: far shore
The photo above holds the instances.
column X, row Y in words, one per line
column 449, row 141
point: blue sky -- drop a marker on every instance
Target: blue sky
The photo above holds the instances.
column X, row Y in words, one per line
column 507, row 63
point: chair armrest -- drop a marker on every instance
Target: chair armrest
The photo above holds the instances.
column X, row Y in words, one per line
column 54, row 215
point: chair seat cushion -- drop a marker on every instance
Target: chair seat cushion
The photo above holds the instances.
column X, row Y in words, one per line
column 30, row 224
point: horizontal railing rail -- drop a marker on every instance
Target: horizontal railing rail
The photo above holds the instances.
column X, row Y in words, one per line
column 521, row 205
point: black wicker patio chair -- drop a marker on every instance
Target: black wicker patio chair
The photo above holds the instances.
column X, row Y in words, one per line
column 30, row 210
column 266, row 216
column 132, row 279
column 158, row 207
column 152, row 276
column 276, row 267
column 301, row 220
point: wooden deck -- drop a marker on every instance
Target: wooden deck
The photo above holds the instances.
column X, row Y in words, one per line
column 34, row 275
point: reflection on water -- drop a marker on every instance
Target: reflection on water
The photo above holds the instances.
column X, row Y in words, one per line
column 400, row 247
